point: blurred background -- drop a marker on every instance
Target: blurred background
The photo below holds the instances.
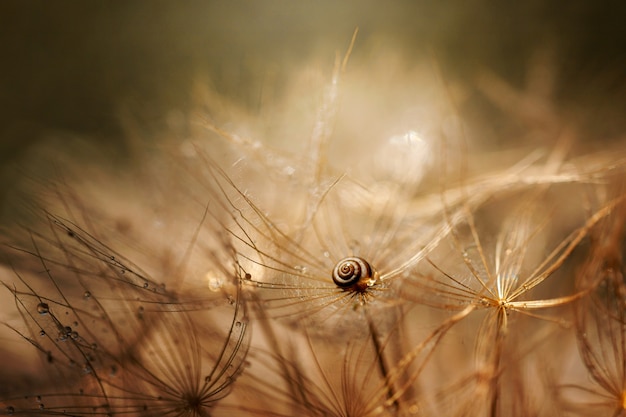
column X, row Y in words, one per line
column 74, row 66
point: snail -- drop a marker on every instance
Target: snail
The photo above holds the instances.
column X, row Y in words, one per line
column 354, row 273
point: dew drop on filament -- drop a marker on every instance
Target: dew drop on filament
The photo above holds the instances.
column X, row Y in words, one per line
column 215, row 281
column 42, row 308
column 66, row 332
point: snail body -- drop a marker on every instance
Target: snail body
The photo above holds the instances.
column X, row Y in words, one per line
column 354, row 274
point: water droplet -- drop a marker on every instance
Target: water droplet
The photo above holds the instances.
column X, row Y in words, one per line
column 207, row 379
column 87, row 295
column 289, row 170
column 38, row 398
column 74, row 335
column 87, row 369
column 214, row 280
column 94, row 346
column 42, row 332
column 64, row 333
column 145, row 285
column 41, row 406
column 42, row 308
column 10, row 410
column 238, row 324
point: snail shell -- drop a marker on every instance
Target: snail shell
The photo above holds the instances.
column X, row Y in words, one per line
column 354, row 272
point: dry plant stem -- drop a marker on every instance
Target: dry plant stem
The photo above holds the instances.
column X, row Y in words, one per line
column 498, row 343
column 326, row 116
column 378, row 349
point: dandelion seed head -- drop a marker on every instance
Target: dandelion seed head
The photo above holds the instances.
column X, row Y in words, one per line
column 348, row 234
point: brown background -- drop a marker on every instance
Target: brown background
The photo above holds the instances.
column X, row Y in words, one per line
column 68, row 65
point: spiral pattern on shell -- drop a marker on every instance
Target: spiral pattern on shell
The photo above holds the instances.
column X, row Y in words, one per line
column 350, row 271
